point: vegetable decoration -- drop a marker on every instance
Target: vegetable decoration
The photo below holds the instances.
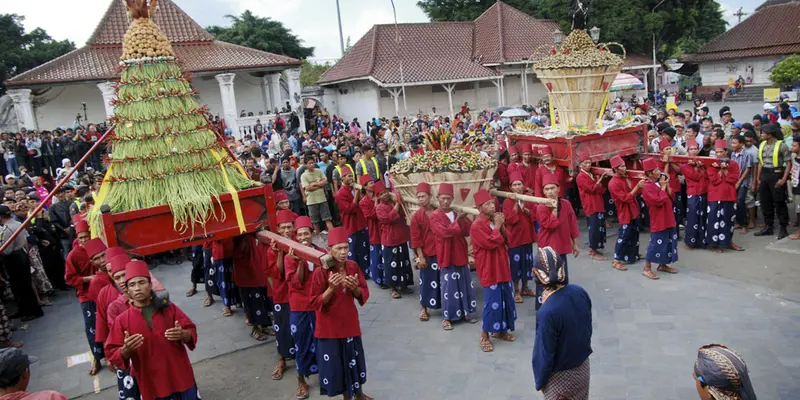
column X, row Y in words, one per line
column 444, row 161
column 438, row 139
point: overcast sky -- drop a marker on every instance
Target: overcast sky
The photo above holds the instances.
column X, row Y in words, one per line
column 312, row 20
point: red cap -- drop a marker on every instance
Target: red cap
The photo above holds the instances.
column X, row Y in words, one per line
column 94, row 247
column 550, row 179
column 515, row 176
column 135, row 269
column 303, row 222
column 285, row 216
column 545, row 149
column 378, row 187
column 363, row 180
column 513, row 149
column 119, row 262
column 526, row 148
column 112, row 252
column 664, row 144
column 446, row 188
column 346, row 171
column 617, row 161
column 649, row 164
column 691, row 143
column 280, row 195
column 77, row 218
column 424, row 187
column 482, row 196
column 81, row 226
column 584, row 156
column 338, row 235
column 721, row 144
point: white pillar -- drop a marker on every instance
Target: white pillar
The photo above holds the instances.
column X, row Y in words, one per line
column 275, row 91
column 449, row 88
column 477, row 104
column 295, row 98
column 395, row 95
column 503, row 91
column 499, row 92
column 265, row 95
column 23, row 108
column 109, row 95
column 525, row 95
column 229, row 109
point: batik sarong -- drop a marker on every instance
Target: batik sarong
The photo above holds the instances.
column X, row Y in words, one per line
column 256, row 305
column 627, row 247
column 430, row 291
column 597, row 231
column 359, row 250
column 376, row 264
column 305, row 345
column 721, row 219
column 695, row 233
column 458, row 295
column 342, row 367
column 663, row 247
column 520, row 259
column 397, row 271
column 283, row 334
column 499, row 309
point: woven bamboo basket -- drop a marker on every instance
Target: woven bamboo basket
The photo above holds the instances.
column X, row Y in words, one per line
column 578, row 93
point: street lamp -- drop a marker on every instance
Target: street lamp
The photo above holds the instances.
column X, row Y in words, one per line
column 558, row 37
column 655, row 67
column 595, row 34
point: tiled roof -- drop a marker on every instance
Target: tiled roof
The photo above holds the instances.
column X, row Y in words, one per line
column 772, row 30
column 194, row 47
column 636, row 60
column 519, row 36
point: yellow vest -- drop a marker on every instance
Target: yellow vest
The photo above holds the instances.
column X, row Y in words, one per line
column 364, row 167
column 774, row 153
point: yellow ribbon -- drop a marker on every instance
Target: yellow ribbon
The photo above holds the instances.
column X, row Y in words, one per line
column 552, row 112
column 234, row 194
column 602, row 111
column 105, row 187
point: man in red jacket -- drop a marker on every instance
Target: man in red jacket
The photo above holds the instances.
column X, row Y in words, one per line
column 591, row 192
column 696, row 198
column 452, row 230
column 625, row 196
column 249, row 277
column 491, row 259
column 519, row 219
column 347, row 198
column 367, row 206
column 663, row 247
column 722, row 178
column 279, row 289
column 153, row 337
column 423, row 242
column 397, row 272
column 222, row 271
column 549, row 167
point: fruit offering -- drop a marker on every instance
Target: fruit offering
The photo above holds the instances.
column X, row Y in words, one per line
column 444, row 161
column 579, row 51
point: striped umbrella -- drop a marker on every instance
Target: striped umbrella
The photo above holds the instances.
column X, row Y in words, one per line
column 625, row 82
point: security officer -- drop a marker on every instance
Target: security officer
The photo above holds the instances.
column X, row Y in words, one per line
column 771, row 179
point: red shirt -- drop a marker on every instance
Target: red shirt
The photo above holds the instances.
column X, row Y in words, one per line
column 246, row 272
column 394, row 230
column 451, row 249
column 160, row 366
column 696, row 180
column 659, row 203
column 97, row 284
column 723, row 187
column 367, row 206
column 501, row 175
column 352, row 216
column 78, row 266
column 222, row 249
column 627, row 205
column 591, row 193
column 115, row 309
column 561, row 175
column 421, row 234
column 491, row 253
column 106, row 296
column 300, row 296
column 519, row 224
column 528, row 172
column 557, row 231
column 674, row 183
column 42, row 395
column 279, row 288
column 339, row 318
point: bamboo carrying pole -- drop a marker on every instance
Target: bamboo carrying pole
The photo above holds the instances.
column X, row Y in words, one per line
column 466, row 210
column 524, row 197
column 304, row 252
column 632, row 173
column 707, row 161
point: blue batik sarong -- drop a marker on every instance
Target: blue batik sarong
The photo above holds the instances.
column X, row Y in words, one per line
column 721, row 219
column 342, row 367
column 191, row 394
column 305, row 345
column 540, row 288
column 520, row 260
column 430, row 291
column 663, row 247
column 283, row 333
column 397, row 272
column 597, row 231
column 644, row 214
column 223, row 271
column 256, row 305
column 359, row 250
column 89, row 310
column 627, row 248
column 210, row 274
column 611, row 208
column 376, row 264
column 458, row 295
column 499, row 310
column 695, row 233
column 677, row 208
column 126, row 383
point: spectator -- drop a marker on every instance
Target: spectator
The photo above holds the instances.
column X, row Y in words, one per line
column 313, row 182
column 15, row 376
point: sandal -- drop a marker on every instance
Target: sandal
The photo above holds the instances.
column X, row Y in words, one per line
column 395, row 294
column 191, row 292
column 302, row 391
column 277, row 373
column 486, row 345
column 208, row 301
column 423, row 315
column 650, row 274
column 669, row 270
column 471, row 319
column 736, row 247
column 258, row 335
column 526, row 292
column 247, row 322
column 10, row 343
column 446, row 325
column 504, row 336
column 226, row 312
column 599, row 257
column 518, row 298
column 716, row 250
column 619, row 266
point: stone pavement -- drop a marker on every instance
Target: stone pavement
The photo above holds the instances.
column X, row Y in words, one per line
column 646, row 334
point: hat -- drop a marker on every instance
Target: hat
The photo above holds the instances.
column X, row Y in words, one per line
column 513, row 149
column 739, row 124
column 4, row 210
column 661, row 126
column 649, row 164
column 550, row 179
column 669, row 131
column 721, row 144
column 527, row 148
column 363, row 180
column 112, row 252
column 691, row 143
column 346, row 171
column 664, row 144
column 285, row 216
column 94, row 246
column 64, row 162
column 616, row 161
column 544, row 150
column 728, row 111
column 33, row 196
column 10, row 176
column 119, row 262
column 515, row 176
column 548, row 267
column 424, row 187
column 81, row 226
column 796, row 114
column 770, row 128
column 303, row 222
column 446, row 188
column 337, row 236
column 768, row 106
column 13, row 363
column 280, row 195
column 378, row 187
column 482, row 196
column 135, row 269
column 584, row 156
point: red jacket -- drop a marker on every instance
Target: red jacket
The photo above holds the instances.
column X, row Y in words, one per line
column 300, row 296
column 394, row 230
column 160, row 366
column 519, row 225
column 97, row 284
column 501, row 175
column 659, row 203
column 557, row 231
column 696, row 180
column 339, row 318
column 106, row 296
column 352, row 216
column 222, row 249
column 559, row 172
column 421, row 234
column 591, row 193
column 528, row 173
column 491, row 253
column 280, row 288
column 247, row 272
column 627, row 205
column 451, row 249
column 367, row 206
column 78, row 266
column 674, row 183
column 723, row 187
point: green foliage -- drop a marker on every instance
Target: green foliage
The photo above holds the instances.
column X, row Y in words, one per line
column 20, row 51
column 310, row 72
column 261, row 33
column 786, row 73
column 465, row 10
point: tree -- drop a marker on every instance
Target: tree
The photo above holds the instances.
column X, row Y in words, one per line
column 261, row 33
column 786, row 74
column 465, row 10
column 347, row 45
column 310, row 72
column 20, row 51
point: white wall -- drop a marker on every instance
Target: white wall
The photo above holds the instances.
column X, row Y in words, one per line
column 360, row 101
column 718, row 72
column 66, row 104
column 247, row 90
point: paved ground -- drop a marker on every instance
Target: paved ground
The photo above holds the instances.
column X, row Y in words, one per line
column 645, row 339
